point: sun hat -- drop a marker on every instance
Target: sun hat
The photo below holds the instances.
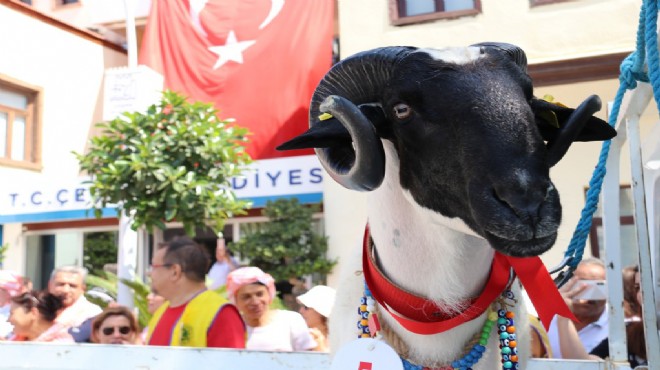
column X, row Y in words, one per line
column 11, row 282
column 321, row 298
column 248, row 275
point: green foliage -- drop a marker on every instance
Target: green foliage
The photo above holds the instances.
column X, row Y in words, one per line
column 99, row 249
column 287, row 246
column 140, row 293
column 3, row 251
column 173, row 163
column 103, row 281
column 109, row 282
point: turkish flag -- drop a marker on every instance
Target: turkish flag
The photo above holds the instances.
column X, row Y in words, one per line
column 258, row 61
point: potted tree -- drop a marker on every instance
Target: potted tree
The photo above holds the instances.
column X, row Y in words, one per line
column 173, row 162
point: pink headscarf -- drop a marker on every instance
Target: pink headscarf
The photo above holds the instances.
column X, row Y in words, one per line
column 11, row 282
column 248, row 275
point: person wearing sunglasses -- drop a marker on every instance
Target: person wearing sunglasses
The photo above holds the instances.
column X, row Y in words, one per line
column 115, row 325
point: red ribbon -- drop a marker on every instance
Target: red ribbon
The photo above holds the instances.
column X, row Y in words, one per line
column 422, row 316
column 540, row 288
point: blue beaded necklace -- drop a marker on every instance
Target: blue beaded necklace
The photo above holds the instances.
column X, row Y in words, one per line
column 369, row 326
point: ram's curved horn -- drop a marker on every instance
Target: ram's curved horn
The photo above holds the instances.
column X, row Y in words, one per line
column 358, row 79
column 368, row 168
column 514, row 52
column 570, row 130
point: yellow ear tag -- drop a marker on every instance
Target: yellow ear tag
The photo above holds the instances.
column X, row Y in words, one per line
column 551, row 99
column 548, row 115
column 325, row 116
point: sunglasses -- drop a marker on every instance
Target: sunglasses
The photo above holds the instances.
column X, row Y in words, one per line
column 111, row 330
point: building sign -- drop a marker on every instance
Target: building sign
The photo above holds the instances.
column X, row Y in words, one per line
column 299, row 177
column 45, row 199
column 269, row 179
column 130, row 90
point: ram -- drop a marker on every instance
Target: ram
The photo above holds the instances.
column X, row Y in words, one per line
column 455, row 152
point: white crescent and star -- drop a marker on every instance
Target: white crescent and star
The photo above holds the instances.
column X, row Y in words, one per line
column 233, row 49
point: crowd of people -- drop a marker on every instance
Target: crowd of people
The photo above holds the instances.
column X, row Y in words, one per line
column 587, row 338
column 186, row 305
column 188, row 309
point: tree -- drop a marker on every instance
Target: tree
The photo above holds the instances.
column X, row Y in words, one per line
column 99, row 249
column 287, row 245
column 3, row 251
column 172, row 163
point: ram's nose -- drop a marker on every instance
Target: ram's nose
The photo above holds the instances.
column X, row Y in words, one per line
column 524, row 200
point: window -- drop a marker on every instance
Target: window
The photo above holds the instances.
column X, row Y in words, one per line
column 20, row 144
column 544, row 2
column 44, row 252
column 416, row 11
column 93, row 249
column 66, row 2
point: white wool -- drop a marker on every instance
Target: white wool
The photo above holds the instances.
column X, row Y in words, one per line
column 430, row 255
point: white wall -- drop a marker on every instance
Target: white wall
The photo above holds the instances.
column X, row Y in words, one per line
column 551, row 32
column 101, row 357
column 69, row 68
column 15, row 257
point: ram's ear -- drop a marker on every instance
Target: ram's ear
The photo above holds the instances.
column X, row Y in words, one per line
column 331, row 133
column 551, row 116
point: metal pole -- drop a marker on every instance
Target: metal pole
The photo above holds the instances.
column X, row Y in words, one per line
column 645, row 265
column 127, row 251
column 131, row 39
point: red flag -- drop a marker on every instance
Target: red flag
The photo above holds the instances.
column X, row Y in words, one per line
column 258, row 61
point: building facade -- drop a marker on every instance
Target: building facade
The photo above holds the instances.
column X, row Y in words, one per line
column 60, row 82
column 51, row 89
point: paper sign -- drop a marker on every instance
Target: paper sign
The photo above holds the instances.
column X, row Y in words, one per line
column 366, row 354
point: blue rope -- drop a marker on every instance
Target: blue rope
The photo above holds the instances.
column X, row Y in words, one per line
column 632, row 70
column 651, row 38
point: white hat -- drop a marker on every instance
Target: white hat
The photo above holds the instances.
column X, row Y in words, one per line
column 321, row 298
column 11, row 282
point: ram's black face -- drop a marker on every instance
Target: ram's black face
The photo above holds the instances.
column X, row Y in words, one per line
column 469, row 147
column 468, row 133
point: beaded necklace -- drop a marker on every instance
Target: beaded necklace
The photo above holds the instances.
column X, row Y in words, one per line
column 369, row 326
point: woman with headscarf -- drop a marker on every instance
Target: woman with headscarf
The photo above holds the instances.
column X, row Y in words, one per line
column 252, row 291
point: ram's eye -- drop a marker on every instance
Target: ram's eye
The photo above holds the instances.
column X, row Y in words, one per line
column 402, row 111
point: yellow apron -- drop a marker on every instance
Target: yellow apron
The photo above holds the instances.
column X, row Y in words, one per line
column 193, row 325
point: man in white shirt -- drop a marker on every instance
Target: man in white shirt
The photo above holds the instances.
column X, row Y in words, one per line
column 68, row 282
column 223, row 265
column 593, row 326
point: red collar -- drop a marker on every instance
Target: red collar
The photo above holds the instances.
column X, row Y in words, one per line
column 422, row 316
